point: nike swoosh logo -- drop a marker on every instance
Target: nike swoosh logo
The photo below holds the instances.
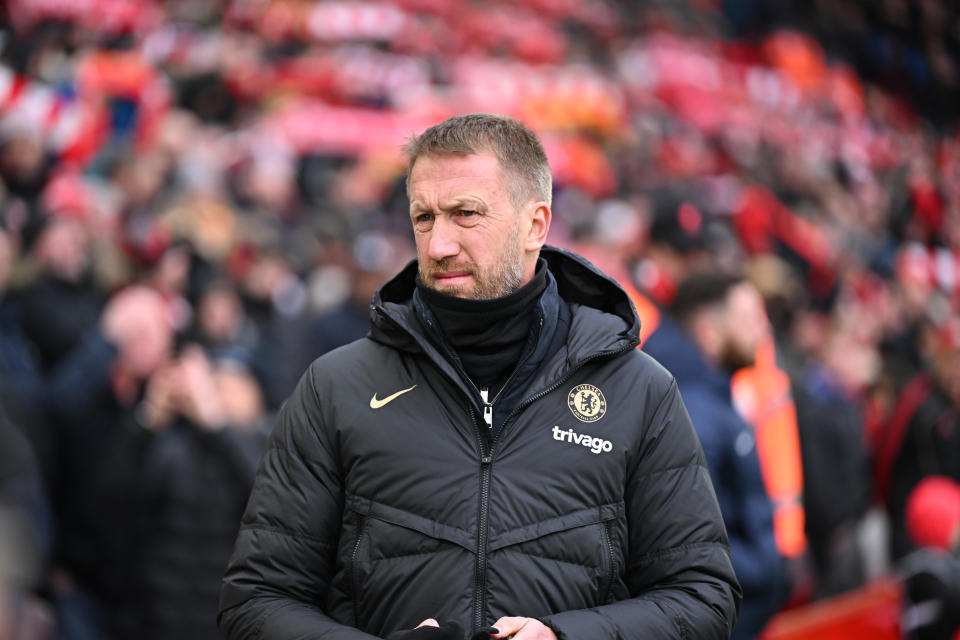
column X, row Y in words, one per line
column 376, row 404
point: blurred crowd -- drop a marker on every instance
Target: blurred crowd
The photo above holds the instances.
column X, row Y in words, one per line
column 199, row 197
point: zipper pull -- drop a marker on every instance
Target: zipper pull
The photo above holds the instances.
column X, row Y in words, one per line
column 487, row 407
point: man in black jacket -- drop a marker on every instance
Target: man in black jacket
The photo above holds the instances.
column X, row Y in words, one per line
column 495, row 452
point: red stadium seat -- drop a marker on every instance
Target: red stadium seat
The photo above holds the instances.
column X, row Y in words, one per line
column 871, row 612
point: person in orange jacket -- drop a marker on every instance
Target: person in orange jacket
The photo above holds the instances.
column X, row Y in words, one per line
column 678, row 246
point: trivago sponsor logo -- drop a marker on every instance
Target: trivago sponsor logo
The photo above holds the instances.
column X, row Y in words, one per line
column 596, row 445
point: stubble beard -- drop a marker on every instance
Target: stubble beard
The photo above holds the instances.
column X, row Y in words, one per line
column 734, row 357
column 503, row 277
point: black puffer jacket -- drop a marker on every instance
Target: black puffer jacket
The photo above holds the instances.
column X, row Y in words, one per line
column 382, row 500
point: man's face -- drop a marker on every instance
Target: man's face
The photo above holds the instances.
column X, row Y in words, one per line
column 744, row 326
column 469, row 235
column 7, row 257
column 64, row 249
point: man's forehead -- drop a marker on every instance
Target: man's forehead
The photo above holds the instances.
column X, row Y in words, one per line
column 457, row 172
column 478, row 157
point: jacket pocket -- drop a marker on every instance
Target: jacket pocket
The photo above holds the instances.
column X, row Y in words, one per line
column 609, row 567
column 569, row 562
column 404, row 568
column 372, row 510
column 558, row 524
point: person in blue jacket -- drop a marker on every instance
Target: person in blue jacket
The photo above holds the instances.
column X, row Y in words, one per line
column 716, row 325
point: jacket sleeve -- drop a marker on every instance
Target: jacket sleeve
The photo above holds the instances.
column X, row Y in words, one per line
column 284, row 558
column 677, row 565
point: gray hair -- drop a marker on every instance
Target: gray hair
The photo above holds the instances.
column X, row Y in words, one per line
column 517, row 148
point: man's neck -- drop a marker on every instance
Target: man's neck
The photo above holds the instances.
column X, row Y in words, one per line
column 488, row 335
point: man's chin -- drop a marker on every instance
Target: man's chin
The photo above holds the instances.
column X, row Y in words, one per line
column 455, row 290
column 739, row 361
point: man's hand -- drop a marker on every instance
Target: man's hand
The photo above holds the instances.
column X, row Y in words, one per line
column 158, row 408
column 197, row 396
column 522, row 629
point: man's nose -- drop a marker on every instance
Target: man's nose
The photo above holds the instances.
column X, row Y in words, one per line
column 444, row 239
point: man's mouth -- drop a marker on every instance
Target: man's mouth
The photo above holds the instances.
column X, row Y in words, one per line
column 451, row 278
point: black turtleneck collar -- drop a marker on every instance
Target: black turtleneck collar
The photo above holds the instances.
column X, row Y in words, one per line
column 489, row 336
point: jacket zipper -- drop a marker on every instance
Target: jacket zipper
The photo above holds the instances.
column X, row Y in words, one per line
column 480, row 576
column 354, row 572
column 486, row 461
column 486, row 468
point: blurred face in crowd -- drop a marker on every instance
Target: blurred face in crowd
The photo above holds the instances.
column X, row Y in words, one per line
column 947, row 370
column 472, row 241
column 943, row 349
column 220, row 314
column 173, row 270
column 7, row 256
column 730, row 332
column 143, row 176
column 21, row 158
column 743, row 326
column 63, row 248
column 147, row 336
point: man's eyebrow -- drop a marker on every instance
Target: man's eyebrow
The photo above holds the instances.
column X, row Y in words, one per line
column 462, row 203
column 417, row 207
column 451, row 205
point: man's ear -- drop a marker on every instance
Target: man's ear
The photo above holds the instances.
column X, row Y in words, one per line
column 540, row 217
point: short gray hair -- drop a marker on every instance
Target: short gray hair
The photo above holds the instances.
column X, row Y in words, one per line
column 516, row 147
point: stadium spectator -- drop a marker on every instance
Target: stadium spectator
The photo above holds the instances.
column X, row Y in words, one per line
column 924, row 440
column 206, row 419
column 719, row 325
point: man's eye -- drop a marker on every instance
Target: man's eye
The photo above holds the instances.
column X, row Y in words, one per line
column 467, row 212
column 424, row 217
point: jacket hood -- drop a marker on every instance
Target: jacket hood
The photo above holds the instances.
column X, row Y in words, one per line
column 588, row 291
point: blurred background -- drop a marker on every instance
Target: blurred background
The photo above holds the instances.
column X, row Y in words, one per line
column 199, row 197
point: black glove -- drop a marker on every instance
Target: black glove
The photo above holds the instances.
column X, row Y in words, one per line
column 483, row 634
column 446, row 631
